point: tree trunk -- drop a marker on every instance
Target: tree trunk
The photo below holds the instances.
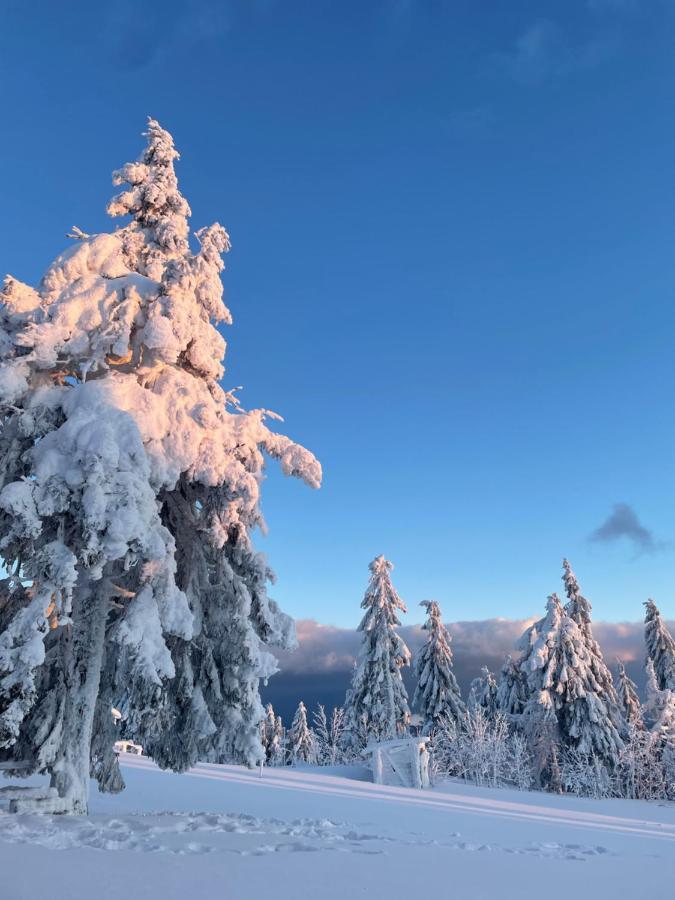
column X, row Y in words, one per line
column 82, row 660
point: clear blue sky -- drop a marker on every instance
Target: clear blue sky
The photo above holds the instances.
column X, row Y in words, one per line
column 452, row 271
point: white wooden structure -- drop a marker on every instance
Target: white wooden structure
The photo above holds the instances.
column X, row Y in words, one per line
column 127, row 747
column 402, row 762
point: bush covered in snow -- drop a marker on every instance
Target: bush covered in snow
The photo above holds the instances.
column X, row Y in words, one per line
column 482, row 749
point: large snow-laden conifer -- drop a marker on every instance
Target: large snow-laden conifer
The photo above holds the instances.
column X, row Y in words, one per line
column 129, row 487
column 660, row 647
column 437, row 695
column 376, row 706
column 565, row 700
column 579, row 609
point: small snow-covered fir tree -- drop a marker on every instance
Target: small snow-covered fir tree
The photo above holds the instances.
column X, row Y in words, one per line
column 512, row 690
column 486, row 698
column 475, row 691
column 129, row 488
column 301, row 744
column 660, row 647
column 437, row 694
column 565, row 700
column 628, row 698
column 376, row 706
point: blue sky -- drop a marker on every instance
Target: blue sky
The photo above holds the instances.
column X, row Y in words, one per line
column 452, row 267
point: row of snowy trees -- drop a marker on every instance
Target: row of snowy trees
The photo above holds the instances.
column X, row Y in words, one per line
column 321, row 742
column 554, row 718
column 129, row 490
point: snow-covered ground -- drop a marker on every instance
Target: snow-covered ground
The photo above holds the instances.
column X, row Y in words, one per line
column 225, row 832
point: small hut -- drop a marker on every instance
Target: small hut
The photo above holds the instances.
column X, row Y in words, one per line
column 403, row 762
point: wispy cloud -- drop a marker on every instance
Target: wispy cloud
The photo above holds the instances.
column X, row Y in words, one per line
column 623, row 523
column 600, row 6
column 138, row 34
column 544, row 52
column 476, row 121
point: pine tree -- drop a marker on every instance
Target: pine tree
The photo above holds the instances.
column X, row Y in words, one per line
column 301, row 744
column 565, row 702
column 629, row 699
column 376, row 706
column 129, row 488
column 660, row 647
column 511, row 690
column 437, row 695
column 579, row 609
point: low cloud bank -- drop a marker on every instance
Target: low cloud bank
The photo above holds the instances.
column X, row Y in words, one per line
column 320, row 669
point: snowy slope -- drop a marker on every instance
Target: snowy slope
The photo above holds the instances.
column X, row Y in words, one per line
column 306, row 834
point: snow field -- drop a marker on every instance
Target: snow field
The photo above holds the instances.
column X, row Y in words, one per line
column 219, row 832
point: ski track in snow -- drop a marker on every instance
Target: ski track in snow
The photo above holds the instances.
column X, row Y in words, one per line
column 194, row 833
column 443, row 800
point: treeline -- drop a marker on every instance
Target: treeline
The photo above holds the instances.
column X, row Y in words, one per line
column 554, row 719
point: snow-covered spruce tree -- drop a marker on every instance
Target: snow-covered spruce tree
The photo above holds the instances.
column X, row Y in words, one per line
column 376, row 706
column 437, row 694
column 565, row 700
column 628, row 698
column 301, row 744
column 660, row 647
column 579, row 609
column 130, row 485
column 512, row 690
